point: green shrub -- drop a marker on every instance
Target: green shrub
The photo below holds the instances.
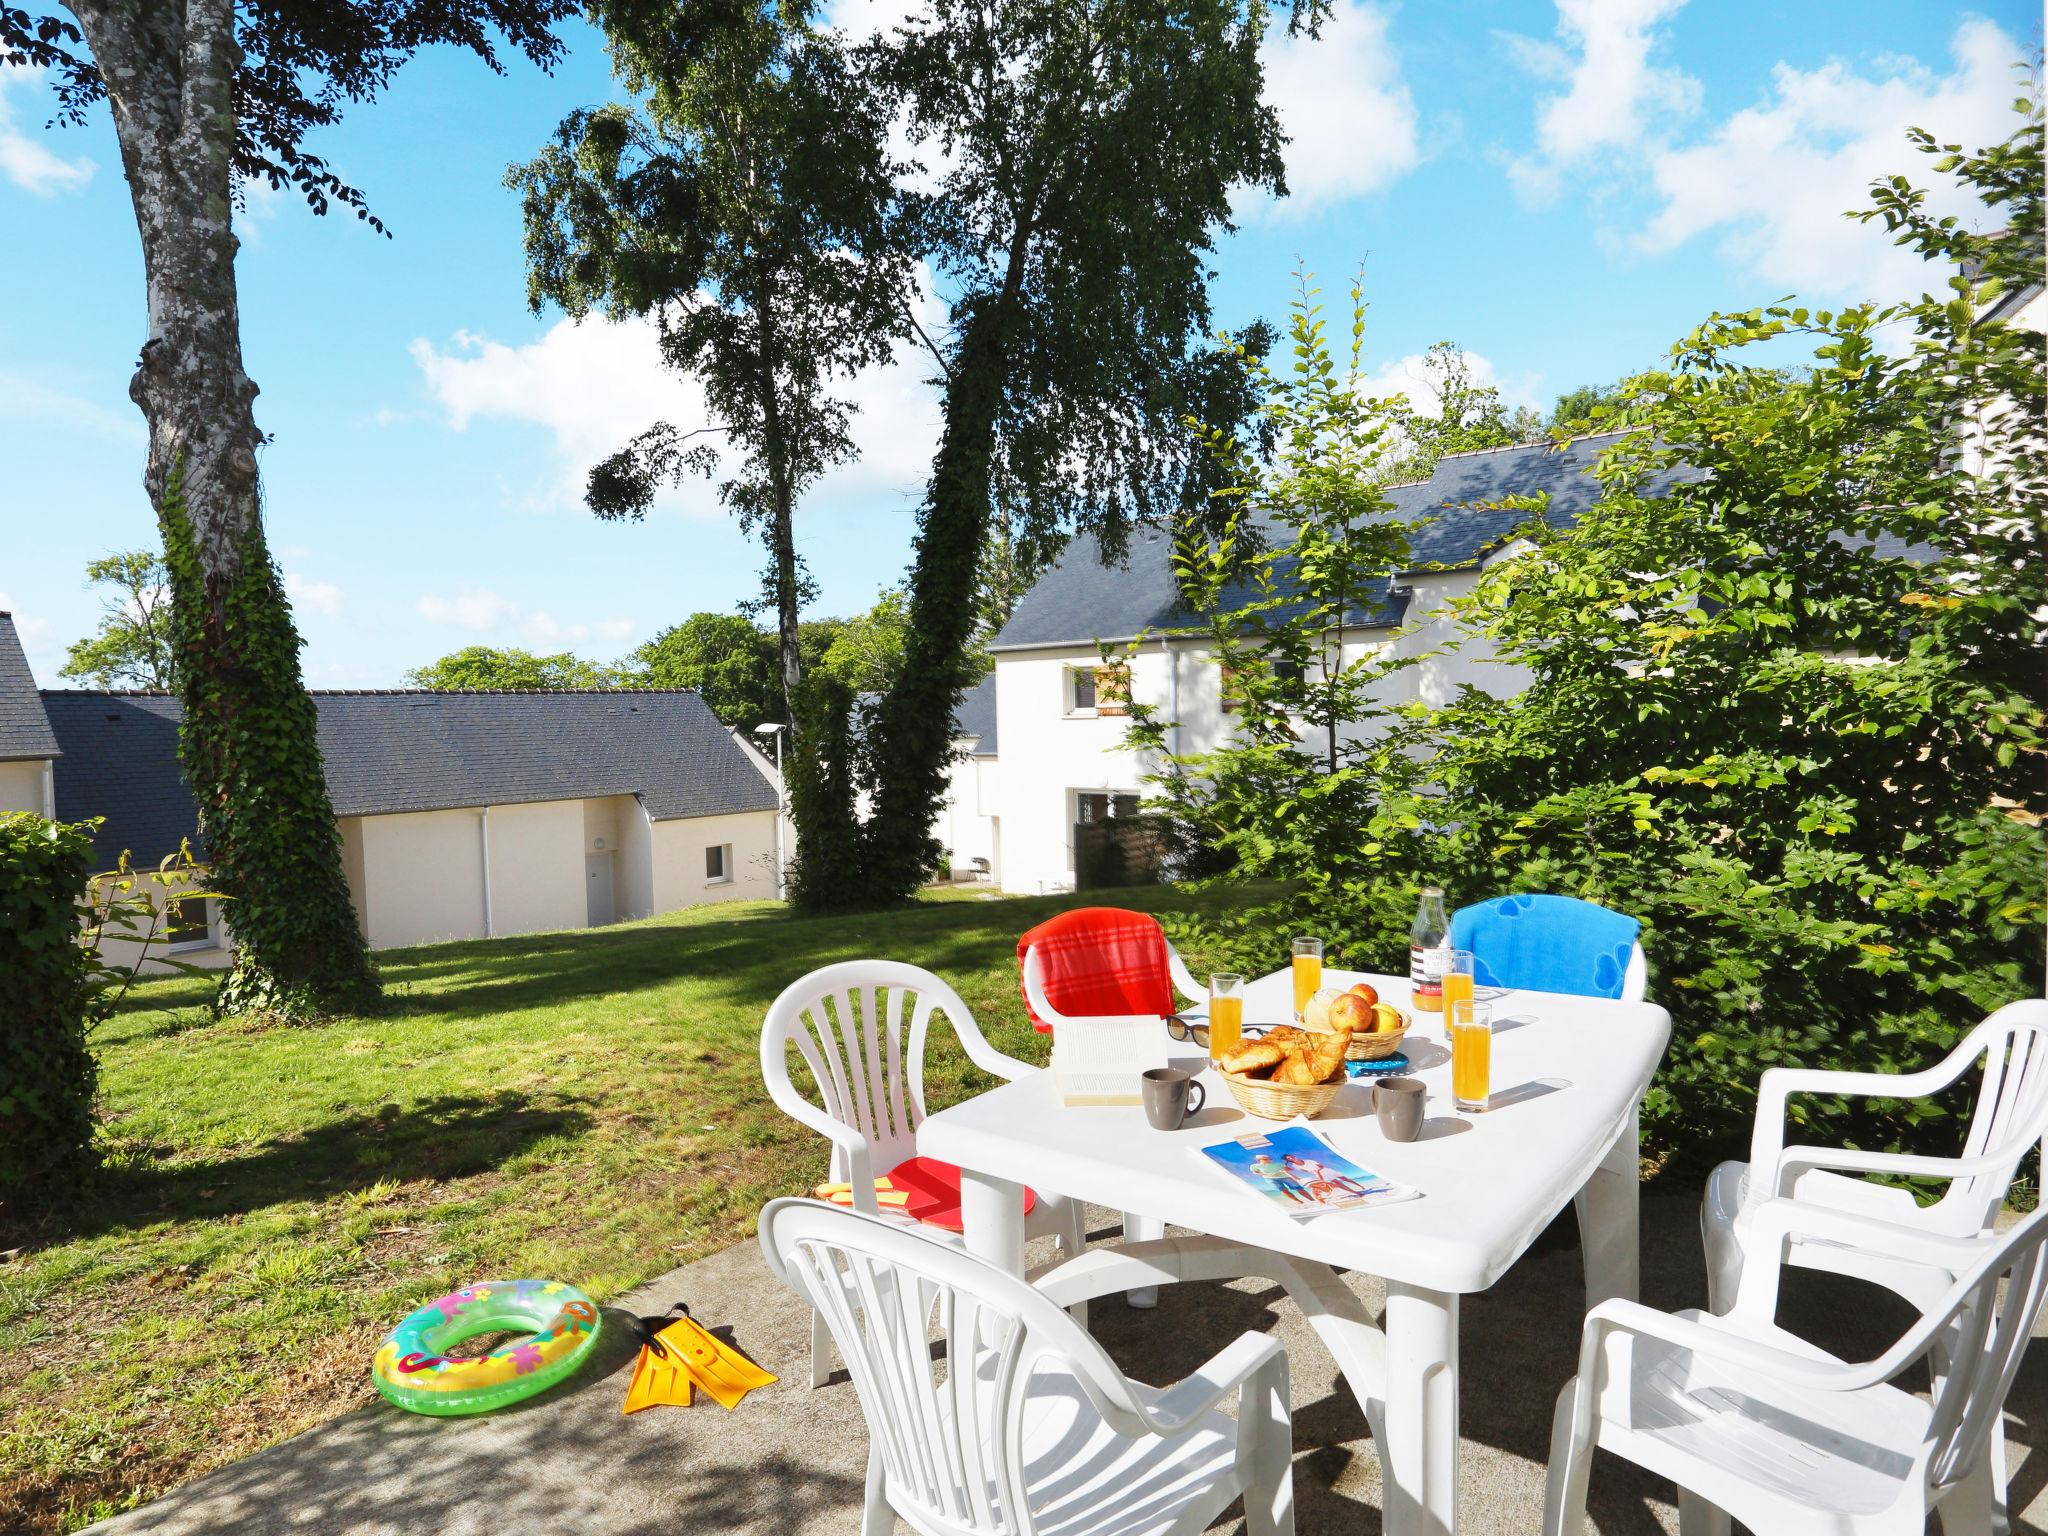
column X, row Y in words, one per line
column 47, row 1075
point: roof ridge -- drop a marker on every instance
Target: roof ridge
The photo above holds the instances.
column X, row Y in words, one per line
column 1547, row 442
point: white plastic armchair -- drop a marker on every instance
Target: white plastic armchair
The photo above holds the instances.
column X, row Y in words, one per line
column 1137, row 1228
column 860, row 1029
column 1755, row 1424
column 1022, row 1424
column 2008, row 1121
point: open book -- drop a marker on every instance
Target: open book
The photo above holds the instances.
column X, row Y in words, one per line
column 1103, row 1060
column 1299, row 1173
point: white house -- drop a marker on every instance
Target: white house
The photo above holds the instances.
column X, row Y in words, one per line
column 970, row 822
column 1063, row 761
column 461, row 815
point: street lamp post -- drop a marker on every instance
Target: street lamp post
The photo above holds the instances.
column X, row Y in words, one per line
column 781, row 806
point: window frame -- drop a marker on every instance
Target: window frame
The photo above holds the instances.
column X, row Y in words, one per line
column 1070, row 691
column 723, row 852
column 205, row 937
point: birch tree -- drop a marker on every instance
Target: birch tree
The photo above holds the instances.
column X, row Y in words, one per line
column 205, row 95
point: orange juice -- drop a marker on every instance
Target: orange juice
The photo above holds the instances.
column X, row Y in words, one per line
column 1308, row 980
column 1471, row 1064
column 1457, row 993
column 1226, row 1025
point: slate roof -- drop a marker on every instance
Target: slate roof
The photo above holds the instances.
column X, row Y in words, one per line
column 24, row 728
column 1080, row 600
column 977, row 716
column 409, row 750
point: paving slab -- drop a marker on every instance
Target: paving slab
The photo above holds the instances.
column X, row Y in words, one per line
column 789, row 1461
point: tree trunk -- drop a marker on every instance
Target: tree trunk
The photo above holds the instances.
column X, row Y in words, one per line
column 248, row 742
column 914, row 729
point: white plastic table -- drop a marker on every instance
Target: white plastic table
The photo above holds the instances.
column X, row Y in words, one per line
column 1568, row 1076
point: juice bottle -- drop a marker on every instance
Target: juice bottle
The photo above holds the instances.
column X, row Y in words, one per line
column 1426, row 941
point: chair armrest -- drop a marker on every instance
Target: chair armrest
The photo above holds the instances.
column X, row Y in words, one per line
column 1766, row 1230
column 1778, row 1084
column 1158, row 1261
column 992, row 1061
column 1184, row 979
column 1906, row 1164
column 1180, row 1406
column 1633, row 1317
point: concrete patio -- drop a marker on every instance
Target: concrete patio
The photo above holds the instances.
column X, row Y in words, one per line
column 790, row 1461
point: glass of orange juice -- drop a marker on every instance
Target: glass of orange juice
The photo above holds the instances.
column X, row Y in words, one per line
column 1226, row 1013
column 1308, row 973
column 1471, row 1054
column 1457, row 981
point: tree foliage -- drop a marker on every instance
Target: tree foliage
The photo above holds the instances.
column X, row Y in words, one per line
column 1457, row 415
column 1083, row 159
column 132, row 647
column 484, row 666
column 1787, row 710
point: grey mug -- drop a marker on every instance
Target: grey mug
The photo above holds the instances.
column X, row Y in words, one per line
column 1171, row 1095
column 1398, row 1103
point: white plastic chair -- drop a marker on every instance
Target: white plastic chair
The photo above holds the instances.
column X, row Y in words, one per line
column 1755, row 1424
column 1137, row 1228
column 2010, row 1119
column 860, row 1027
column 1024, row 1427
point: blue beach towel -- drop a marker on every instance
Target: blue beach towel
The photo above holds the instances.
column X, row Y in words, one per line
column 1546, row 944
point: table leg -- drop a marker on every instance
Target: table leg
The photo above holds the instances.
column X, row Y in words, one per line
column 992, row 1219
column 1610, row 1221
column 1419, row 1455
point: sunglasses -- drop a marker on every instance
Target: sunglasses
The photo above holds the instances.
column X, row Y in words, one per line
column 1178, row 1028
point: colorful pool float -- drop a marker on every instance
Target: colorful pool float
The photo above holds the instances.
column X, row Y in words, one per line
column 412, row 1369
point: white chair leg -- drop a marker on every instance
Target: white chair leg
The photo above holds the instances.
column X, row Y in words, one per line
column 1994, row 1453
column 876, row 1517
column 1571, row 1463
column 1267, row 1422
column 1697, row 1517
column 1967, row 1511
column 821, row 1350
column 1142, row 1229
column 1073, row 1241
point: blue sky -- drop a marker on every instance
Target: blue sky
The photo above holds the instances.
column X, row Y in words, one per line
column 1561, row 189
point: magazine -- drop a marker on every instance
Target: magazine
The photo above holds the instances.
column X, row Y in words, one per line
column 1300, row 1174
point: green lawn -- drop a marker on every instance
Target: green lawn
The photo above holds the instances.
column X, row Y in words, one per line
column 585, row 1106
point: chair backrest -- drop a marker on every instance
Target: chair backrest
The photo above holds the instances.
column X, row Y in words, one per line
column 1992, row 1310
column 947, row 1423
column 1096, row 962
column 860, row 1027
column 1553, row 944
column 2011, row 1113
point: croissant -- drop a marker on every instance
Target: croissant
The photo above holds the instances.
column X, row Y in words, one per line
column 1252, row 1056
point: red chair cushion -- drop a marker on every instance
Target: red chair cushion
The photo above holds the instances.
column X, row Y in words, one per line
column 922, row 1188
column 1100, row 961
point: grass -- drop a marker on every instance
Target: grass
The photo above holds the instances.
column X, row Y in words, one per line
column 584, row 1106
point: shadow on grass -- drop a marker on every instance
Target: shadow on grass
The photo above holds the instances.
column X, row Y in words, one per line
column 448, row 1137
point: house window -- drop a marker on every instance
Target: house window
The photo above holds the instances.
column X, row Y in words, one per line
column 1080, row 690
column 188, row 924
column 1093, row 805
column 718, row 863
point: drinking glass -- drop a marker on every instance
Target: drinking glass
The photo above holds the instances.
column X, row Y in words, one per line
column 1457, row 981
column 1471, row 1054
column 1308, row 973
column 1226, row 1013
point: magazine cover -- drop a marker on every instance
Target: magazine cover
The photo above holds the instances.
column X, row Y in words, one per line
column 1300, row 1174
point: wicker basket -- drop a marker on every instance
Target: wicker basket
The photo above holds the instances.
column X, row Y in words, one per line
column 1380, row 1044
column 1280, row 1101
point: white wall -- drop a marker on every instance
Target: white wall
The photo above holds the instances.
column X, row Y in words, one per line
column 352, row 869
column 966, row 820
column 679, row 859
column 537, row 878
column 423, row 877
column 21, row 786
column 634, row 875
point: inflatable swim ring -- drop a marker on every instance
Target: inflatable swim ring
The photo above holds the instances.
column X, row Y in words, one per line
column 411, row 1369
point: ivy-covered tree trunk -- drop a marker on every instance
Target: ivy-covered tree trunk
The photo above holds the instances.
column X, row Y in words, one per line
column 249, row 742
column 914, row 730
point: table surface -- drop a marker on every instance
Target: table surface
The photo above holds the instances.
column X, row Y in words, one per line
column 1567, row 1074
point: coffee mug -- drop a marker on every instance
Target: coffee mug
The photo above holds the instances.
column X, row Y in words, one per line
column 1171, row 1095
column 1398, row 1103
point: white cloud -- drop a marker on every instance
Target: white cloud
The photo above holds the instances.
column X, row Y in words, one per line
column 1348, row 115
column 1615, row 95
column 25, row 158
column 486, row 613
column 596, row 384
column 38, row 640
column 316, row 596
column 1411, row 376
column 1774, row 179
column 25, row 399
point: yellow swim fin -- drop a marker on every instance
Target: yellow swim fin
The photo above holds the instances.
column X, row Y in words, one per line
column 724, row 1373
column 658, row 1378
